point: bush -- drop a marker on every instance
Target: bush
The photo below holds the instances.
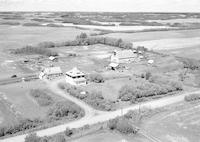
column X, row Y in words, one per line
column 147, row 75
column 32, row 138
column 112, row 124
column 122, row 125
column 145, row 89
column 64, row 109
column 22, row 125
column 192, row 97
column 41, row 97
column 68, row 132
column 192, row 64
column 126, row 93
column 97, row 78
column 46, row 44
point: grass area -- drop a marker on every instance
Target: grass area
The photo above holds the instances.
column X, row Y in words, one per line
column 42, row 97
column 110, row 88
column 18, row 95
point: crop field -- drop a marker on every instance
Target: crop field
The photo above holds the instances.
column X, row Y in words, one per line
column 179, row 123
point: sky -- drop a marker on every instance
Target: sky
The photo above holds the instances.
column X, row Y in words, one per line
column 102, row 5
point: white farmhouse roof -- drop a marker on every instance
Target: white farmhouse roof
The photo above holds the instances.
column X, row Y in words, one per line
column 75, row 72
column 125, row 54
column 52, row 70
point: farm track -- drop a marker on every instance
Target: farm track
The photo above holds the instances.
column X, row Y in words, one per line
column 93, row 116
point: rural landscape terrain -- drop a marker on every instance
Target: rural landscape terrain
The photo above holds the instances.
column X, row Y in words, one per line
column 99, row 77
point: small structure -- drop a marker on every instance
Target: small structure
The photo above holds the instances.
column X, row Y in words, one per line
column 50, row 72
column 75, row 77
column 52, row 58
column 150, row 61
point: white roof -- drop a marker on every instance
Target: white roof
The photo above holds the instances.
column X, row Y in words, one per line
column 52, row 70
column 114, row 65
column 124, row 54
column 75, row 72
column 52, row 58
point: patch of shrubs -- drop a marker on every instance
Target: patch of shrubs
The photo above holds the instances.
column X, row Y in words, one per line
column 146, row 89
column 147, row 75
column 97, row 78
column 94, row 98
column 122, row 125
column 46, row 44
column 68, row 132
column 33, row 138
column 22, row 125
column 58, row 138
column 192, row 64
column 192, row 97
column 64, row 109
column 42, row 97
column 34, row 50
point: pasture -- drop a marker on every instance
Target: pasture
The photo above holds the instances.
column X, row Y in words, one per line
column 179, row 123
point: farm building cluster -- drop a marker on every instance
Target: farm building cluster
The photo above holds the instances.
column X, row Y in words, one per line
column 77, row 77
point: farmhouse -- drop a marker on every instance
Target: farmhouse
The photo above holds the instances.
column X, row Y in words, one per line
column 75, row 77
column 49, row 72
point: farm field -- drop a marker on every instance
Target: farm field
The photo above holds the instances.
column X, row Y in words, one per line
column 178, row 123
column 17, row 36
column 156, row 35
column 169, row 44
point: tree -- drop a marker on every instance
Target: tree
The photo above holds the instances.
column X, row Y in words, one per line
column 68, row 132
